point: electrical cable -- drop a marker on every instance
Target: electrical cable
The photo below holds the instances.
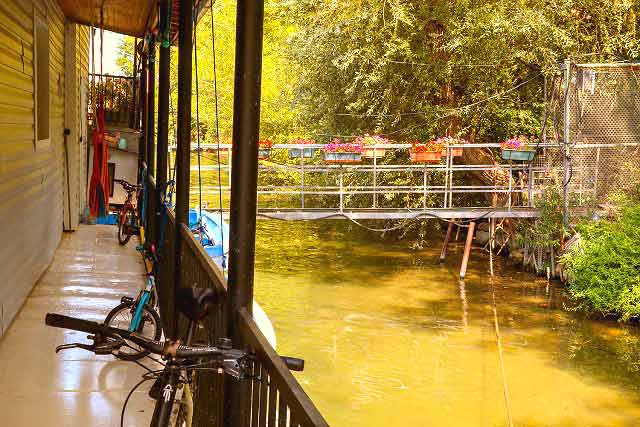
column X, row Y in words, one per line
column 195, row 53
column 215, row 92
column 126, row 401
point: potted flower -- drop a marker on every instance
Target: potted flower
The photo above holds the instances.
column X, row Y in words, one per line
column 449, row 141
column 339, row 151
column 519, row 148
column 369, row 142
column 429, row 152
column 264, row 149
column 306, row 153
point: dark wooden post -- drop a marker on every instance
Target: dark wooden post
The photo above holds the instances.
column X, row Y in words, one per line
column 151, row 146
column 244, row 178
column 151, row 106
column 163, row 116
column 143, row 110
column 185, row 46
column 133, row 113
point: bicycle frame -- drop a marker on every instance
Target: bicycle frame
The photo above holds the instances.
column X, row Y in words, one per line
column 142, row 301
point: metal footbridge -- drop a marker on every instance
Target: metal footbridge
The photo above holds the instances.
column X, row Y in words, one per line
column 476, row 185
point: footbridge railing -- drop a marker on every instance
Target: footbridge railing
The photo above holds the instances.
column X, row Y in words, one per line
column 391, row 186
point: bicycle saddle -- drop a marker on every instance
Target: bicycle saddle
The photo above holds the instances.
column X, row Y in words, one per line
column 196, row 303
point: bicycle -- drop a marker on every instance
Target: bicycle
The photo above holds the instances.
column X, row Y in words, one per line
column 172, row 384
column 128, row 219
column 138, row 315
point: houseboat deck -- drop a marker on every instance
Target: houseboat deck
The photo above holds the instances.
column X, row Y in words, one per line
column 89, row 275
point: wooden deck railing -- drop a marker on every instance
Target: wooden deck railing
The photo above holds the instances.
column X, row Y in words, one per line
column 274, row 398
column 119, row 99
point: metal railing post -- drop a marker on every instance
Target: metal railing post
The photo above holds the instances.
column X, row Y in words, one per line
column 302, row 178
column 375, row 178
column 341, row 195
column 566, row 137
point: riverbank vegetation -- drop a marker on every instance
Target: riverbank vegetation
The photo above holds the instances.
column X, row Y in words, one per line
column 603, row 267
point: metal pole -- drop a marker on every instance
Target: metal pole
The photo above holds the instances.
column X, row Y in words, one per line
column 185, row 45
column 302, row 178
column 567, row 136
column 375, row 178
column 244, row 181
column 164, row 74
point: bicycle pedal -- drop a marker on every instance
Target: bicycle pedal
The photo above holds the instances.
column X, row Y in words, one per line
column 126, row 300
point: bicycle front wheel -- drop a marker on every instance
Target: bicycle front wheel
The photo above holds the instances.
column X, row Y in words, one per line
column 149, row 327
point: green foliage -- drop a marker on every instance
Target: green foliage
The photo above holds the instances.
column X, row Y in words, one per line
column 410, row 68
column 546, row 231
column 605, row 272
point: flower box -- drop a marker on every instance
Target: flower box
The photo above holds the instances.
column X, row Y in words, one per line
column 368, row 142
column 518, row 155
column 374, row 153
column 425, row 156
column 264, row 153
column 264, row 149
column 306, row 153
column 519, row 148
column 342, row 152
column 455, row 152
column 342, row 157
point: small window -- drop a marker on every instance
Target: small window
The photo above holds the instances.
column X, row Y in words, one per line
column 42, row 78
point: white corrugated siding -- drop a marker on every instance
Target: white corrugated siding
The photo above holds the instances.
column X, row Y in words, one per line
column 31, row 174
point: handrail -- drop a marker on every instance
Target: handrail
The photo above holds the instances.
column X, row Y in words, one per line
column 301, row 408
column 203, row 259
column 276, row 396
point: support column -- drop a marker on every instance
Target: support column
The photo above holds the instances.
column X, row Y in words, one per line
column 467, row 250
column 151, row 105
column 151, row 206
column 244, row 179
column 164, row 73
column 445, row 245
column 143, row 111
column 185, row 48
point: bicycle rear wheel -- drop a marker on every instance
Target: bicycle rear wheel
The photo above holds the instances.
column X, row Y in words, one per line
column 125, row 220
column 121, row 317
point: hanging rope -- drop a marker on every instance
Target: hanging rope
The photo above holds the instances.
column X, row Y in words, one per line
column 215, row 92
column 200, row 225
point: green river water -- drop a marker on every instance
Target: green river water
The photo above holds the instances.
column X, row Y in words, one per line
column 391, row 338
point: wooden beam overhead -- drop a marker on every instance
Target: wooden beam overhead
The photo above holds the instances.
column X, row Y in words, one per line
column 129, row 17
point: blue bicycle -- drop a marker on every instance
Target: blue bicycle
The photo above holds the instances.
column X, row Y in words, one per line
column 138, row 315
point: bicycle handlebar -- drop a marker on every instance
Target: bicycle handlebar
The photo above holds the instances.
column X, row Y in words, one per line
column 128, row 187
column 155, row 347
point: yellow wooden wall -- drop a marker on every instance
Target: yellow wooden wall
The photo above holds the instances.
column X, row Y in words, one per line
column 31, row 172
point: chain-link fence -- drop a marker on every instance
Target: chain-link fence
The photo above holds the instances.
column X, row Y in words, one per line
column 596, row 119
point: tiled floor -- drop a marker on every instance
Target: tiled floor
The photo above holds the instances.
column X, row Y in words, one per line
column 89, row 275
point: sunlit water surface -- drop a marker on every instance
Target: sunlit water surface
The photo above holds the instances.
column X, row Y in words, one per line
column 391, row 338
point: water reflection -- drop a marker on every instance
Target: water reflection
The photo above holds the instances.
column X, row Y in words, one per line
column 392, row 338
